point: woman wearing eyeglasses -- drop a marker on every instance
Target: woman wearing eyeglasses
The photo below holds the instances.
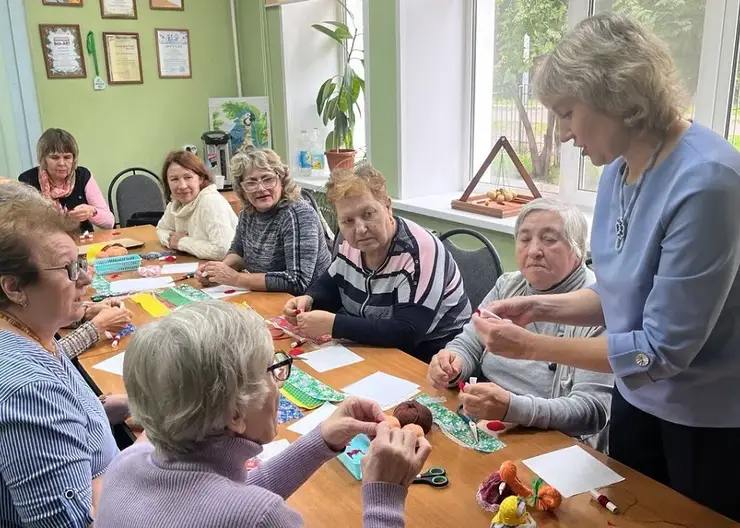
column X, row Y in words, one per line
column 197, row 220
column 192, row 471
column 55, row 439
column 279, row 243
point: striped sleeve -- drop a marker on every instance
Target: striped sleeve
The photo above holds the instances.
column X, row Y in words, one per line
column 45, row 461
column 75, row 343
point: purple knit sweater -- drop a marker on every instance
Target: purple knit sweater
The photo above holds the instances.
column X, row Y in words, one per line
column 213, row 489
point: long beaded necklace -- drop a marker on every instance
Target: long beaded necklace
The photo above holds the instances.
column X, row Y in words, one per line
column 23, row 328
column 625, row 214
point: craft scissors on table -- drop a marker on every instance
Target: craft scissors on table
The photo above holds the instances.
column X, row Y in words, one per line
column 435, row 476
column 468, row 420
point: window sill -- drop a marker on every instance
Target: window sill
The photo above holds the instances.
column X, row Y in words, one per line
column 438, row 206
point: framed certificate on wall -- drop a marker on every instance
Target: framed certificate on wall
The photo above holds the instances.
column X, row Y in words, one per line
column 123, row 58
column 62, row 47
column 173, row 53
column 118, row 9
column 171, row 5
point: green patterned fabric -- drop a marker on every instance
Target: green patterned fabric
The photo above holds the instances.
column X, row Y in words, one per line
column 301, row 398
column 457, row 430
column 192, row 293
column 312, row 387
column 174, row 297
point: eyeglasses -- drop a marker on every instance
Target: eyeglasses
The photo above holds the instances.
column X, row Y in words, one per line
column 266, row 183
column 281, row 365
column 73, row 268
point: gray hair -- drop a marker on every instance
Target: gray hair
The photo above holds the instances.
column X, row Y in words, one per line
column 575, row 225
column 189, row 374
column 618, row 67
column 13, row 191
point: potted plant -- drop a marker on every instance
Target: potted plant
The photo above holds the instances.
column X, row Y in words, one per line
column 338, row 96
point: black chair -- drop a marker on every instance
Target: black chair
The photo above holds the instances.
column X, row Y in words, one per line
column 480, row 268
column 328, row 233
column 136, row 197
column 589, row 261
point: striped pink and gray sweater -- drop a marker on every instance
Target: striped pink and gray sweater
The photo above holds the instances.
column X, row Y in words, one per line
column 212, row 488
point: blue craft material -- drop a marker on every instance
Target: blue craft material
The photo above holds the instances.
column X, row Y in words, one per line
column 352, row 455
column 126, row 330
column 157, row 254
column 287, row 411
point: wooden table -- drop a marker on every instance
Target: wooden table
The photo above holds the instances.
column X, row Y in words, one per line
column 331, row 498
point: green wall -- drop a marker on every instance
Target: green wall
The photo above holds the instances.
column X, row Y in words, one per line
column 10, row 161
column 135, row 125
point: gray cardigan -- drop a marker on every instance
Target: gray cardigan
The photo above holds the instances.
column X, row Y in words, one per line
column 571, row 400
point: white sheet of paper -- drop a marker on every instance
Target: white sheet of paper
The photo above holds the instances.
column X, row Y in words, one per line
column 311, row 421
column 114, row 364
column 272, row 449
column 185, row 267
column 331, row 357
column 572, row 471
column 385, row 389
column 219, row 292
column 133, row 285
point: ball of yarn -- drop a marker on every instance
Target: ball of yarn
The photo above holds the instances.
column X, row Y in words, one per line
column 392, row 422
column 414, row 428
column 413, row 412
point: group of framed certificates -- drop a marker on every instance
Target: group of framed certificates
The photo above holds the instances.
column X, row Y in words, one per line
column 64, row 55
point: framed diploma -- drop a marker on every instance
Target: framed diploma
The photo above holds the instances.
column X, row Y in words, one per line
column 68, row 3
column 62, row 47
column 118, row 9
column 123, row 58
column 171, row 5
column 173, row 53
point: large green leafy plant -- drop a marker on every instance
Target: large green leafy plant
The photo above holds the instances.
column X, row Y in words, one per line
column 337, row 100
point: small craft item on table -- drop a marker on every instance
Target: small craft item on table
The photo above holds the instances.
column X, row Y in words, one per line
column 191, row 293
column 351, row 457
column 308, row 392
column 112, row 250
column 283, row 324
column 100, row 284
column 156, row 255
column 455, row 428
column 222, row 291
column 313, row 420
column 174, row 269
column 150, row 271
column 174, row 297
column 435, row 476
column 128, row 243
column 137, row 285
column 572, row 471
column 150, row 304
column 505, row 483
column 513, row 514
column 412, row 412
column 119, row 264
column 501, row 202
column 383, row 388
column 116, row 339
column 330, row 358
column 114, row 364
column 287, row 411
column 495, row 427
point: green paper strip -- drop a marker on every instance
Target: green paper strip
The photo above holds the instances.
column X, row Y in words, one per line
column 174, row 297
column 192, row 293
column 456, row 428
column 303, row 399
column 100, row 284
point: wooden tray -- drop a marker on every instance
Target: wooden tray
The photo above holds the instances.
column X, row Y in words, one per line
column 476, row 204
column 128, row 243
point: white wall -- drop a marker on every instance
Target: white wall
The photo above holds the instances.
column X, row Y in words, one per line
column 309, row 58
column 435, row 97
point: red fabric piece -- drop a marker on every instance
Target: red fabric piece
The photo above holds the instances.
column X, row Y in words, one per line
column 495, row 425
column 461, row 385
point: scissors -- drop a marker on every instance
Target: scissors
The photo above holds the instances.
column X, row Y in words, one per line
column 435, row 476
column 471, row 423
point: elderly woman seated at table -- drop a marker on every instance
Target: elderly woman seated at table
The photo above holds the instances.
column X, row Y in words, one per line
column 392, row 283
column 193, row 472
column 55, row 439
column 550, row 239
column 197, row 220
column 279, row 243
column 72, row 187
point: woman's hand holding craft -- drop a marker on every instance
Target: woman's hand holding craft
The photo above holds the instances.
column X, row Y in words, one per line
column 95, row 308
column 315, row 323
column 201, row 275
column 220, row 273
column 112, row 319
column 485, row 400
column 395, row 456
column 352, row 417
column 295, row 306
column 444, row 368
column 505, row 338
column 519, row 310
column 82, row 213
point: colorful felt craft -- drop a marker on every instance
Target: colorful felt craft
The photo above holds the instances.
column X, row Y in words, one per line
column 174, row 297
column 313, row 387
column 292, row 330
column 300, row 398
column 287, row 411
column 351, row 457
column 150, row 304
column 513, row 513
column 455, row 428
column 193, row 294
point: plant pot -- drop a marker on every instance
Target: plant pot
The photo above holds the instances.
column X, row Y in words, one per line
column 340, row 159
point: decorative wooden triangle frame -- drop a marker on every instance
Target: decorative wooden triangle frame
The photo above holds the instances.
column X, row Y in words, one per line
column 481, row 204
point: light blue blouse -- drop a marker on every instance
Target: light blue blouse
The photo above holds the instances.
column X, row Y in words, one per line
column 54, row 438
column 671, row 298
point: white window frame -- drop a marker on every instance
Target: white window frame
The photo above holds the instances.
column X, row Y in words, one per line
column 713, row 102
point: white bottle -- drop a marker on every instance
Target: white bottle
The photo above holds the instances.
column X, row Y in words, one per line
column 304, row 155
column 317, row 154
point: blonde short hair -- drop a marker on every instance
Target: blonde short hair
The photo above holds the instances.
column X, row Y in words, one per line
column 244, row 163
column 364, row 177
column 618, row 67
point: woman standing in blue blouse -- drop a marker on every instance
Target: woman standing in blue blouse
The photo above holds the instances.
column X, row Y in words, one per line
column 666, row 252
column 55, row 440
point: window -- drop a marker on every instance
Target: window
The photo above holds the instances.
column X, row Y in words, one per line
column 511, row 34
column 356, row 7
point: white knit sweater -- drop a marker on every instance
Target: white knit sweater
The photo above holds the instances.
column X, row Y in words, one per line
column 209, row 222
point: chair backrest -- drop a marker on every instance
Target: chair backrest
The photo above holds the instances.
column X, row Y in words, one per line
column 337, row 242
column 480, row 268
column 328, row 233
column 135, row 190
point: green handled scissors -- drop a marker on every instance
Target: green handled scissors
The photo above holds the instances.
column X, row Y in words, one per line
column 435, row 476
